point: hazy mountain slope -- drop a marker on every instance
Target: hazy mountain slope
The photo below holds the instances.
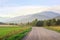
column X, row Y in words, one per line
column 58, row 17
column 49, row 14
column 2, row 19
column 28, row 18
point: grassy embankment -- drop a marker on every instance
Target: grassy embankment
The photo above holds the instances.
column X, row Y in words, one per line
column 55, row 28
column 13, row 33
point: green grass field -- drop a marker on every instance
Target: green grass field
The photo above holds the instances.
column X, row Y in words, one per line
column 55, row 28
column 13, row 33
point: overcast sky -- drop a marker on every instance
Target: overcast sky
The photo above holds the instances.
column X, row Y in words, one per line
column 13, row 8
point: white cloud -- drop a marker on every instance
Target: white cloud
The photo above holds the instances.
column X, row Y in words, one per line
column 55, row 9
column 25, row 10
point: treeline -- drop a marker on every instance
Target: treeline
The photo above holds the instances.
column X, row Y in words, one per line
column 51, row 22
column 36, row 22
column 1, row 23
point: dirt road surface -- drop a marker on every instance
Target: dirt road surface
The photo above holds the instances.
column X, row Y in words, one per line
column 40, row 33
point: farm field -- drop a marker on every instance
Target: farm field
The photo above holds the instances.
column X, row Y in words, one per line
column 13, row 32
column 55, row 28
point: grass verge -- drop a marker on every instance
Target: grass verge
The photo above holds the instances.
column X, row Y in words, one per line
column 55, row 28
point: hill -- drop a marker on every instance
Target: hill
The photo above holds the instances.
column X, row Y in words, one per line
column 28, row 18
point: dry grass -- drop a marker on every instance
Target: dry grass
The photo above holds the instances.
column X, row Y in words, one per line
column 55, row 28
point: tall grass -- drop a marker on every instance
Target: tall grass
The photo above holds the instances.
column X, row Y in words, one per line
column 55, row 28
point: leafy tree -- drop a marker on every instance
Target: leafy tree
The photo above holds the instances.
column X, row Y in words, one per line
column 34, row 22
column 39, row 23
column 45, row 23
column 49, row 22
column 58, row 22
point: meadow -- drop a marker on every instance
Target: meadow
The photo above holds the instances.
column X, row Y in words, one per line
column 13, row 32
column 54, row 28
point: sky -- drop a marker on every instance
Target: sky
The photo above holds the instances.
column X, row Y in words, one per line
column 13, row 8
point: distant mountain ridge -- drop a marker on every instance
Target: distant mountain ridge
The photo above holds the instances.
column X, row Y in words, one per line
column 28, row 18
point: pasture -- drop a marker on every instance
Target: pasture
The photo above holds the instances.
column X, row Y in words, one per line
column 13, row 32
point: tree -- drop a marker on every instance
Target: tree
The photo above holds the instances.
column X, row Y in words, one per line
column 45, row 23
column 49, row 22
column 58, row 22
column 34, row 22
column 39, row 23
